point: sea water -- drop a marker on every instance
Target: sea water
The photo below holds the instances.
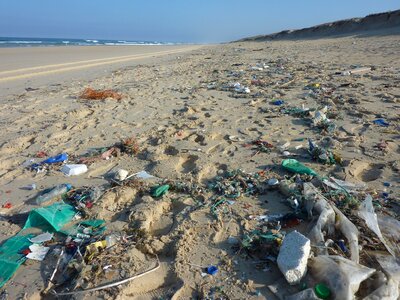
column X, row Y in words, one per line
column 41, row 42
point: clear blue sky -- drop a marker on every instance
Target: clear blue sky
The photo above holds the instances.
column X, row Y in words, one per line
column 173, row 20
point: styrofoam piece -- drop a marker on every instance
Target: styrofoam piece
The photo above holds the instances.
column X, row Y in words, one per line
column 293, row 256
column 72, row 170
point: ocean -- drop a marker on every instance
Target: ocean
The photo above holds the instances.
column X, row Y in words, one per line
column 48, row 42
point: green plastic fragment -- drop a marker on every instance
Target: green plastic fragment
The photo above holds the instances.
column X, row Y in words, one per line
column 295, row 166
column 160, row 190
column 11, row 257
column 51, row 218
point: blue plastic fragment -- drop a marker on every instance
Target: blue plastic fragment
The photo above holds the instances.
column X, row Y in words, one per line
column 386, row 184
column 311, row 145
column 381, row 122
column 51, row 160
column 212, row 270
column 56, row 159
column 342, row 245
column 278, row 102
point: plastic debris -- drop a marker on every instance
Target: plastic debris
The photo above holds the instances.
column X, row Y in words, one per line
column 293, row 256
column 60, row 158
column 159, row 191
column 356, row 71
column 56, row 159
column 342, row 276
column 44, row 237
column 390, row 235
column 38, row 252
column 322, row 291
column 30, row 187
column 121, row 174
column 295, row 166
column 212, row 270
column 326, row 218
column 278, row 102
column 240, row 88
column 349, row 187
column 307, row 294
column 273, row 182
column 143, row 175
column 53, row 193
column 320, row 154
column 350, row 231
column 381, row 122
column 73, row 170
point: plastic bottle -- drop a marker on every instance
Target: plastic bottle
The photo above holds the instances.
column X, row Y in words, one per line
column 54, row 192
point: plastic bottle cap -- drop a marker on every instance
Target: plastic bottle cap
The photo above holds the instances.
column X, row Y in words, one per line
column 322, row 291
column 212, row 270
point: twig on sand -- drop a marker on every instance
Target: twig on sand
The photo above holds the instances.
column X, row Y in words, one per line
column 109, row 285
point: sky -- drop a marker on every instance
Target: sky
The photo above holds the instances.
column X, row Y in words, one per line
column 190, row 21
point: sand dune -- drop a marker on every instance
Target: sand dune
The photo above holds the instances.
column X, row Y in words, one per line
column 375, row 24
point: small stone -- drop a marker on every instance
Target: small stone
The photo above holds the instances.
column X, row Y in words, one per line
column 293, row 256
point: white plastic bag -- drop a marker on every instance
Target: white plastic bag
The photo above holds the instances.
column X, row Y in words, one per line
column 350, row 231
column 386, row 228
column 342, row 275
column 390, row 289
column 326, row 219
column 349, row 187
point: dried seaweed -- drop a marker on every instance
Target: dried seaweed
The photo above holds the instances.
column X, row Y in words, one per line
column 91, row 94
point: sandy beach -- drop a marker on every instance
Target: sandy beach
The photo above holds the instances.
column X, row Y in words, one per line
column 196, row 113
column 34, row 66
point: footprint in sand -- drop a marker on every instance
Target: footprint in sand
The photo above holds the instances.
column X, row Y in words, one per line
column 365, row 171
column 187, row 164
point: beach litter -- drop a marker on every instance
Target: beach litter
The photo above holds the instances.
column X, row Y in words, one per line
column 381, row 122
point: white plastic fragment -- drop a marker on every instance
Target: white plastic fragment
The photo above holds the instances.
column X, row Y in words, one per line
column 350, row 231
column 38, row 252
column 326, row 220
column 121, row 174
column 44, row 237
column 143, row 175
column 240, row 88
column 338, row 184
column 307, row 294
column 390, row 225
column 72, row 170
column 356, row 71
column 273, row 181
column 293, row 256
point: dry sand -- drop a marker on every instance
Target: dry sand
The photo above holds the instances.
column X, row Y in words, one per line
column 188, row 131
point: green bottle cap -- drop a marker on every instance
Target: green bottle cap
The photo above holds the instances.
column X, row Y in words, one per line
column 322, row 291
